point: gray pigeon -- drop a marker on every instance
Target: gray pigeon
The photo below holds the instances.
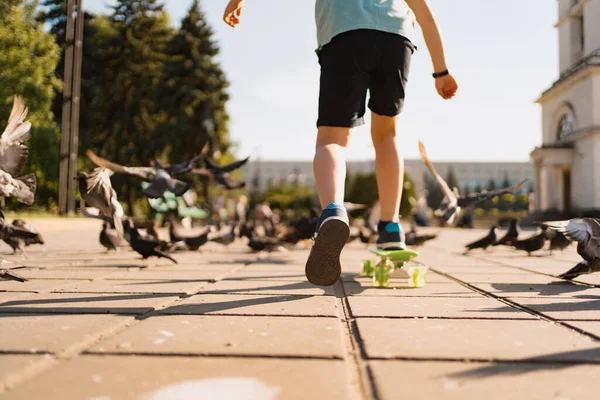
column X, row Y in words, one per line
column 586, row 232
column 97, row 191
column 159, row 178
column 19, row 243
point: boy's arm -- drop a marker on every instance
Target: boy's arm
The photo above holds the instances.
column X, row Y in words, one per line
column 445, row 85
column 233, row 12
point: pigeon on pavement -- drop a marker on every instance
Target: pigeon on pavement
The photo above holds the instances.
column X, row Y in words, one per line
column 484, row 242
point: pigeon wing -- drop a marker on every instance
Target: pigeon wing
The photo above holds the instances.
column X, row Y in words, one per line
column 13, row 154
column 233, row 166
column 475, row 198
column 146, row 173
column 585, row 231
column 445, row 188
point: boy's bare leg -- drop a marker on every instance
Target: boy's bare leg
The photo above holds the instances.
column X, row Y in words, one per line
column 389, row 165
column 330, row 164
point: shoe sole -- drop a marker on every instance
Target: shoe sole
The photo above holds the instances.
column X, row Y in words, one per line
column 323, row 266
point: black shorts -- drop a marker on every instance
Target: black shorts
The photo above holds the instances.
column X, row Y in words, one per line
column 358, row 60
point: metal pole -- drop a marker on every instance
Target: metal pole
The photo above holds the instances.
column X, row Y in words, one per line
column 74, row 145
column 66, row 113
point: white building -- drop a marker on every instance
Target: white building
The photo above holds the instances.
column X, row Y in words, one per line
column 567, row 164
column 468, row 174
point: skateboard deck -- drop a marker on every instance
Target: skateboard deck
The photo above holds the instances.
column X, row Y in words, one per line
column 391, row 261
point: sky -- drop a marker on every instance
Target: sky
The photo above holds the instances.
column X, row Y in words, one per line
column 503, row 54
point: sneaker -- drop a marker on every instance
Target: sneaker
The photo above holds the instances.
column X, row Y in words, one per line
column 323, row 267
column 391, row 237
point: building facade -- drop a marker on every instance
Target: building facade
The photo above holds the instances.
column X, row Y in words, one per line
column 567, row 163
column 469, row 175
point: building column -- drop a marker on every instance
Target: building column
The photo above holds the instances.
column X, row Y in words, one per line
column 558, row 182
column 536, row 186
column 545, row 182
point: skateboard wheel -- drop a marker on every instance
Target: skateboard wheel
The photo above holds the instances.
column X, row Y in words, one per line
column 381, row 275
column 368, row 266
column 418, row 276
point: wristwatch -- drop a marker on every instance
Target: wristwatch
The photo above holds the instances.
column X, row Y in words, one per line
column 440, row 74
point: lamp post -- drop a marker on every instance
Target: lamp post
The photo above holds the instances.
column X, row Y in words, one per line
column 69, row 140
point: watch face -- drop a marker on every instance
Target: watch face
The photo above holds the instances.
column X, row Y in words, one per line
column 565, row 128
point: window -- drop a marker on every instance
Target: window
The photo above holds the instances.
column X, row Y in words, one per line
column 565, row 127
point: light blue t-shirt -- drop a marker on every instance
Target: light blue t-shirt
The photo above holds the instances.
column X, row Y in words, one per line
column 337, row 16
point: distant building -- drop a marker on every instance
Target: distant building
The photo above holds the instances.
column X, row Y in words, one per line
column 469, row 175
column 567, row 163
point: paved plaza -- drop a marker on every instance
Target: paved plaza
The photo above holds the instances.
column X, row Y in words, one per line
column 227, row 322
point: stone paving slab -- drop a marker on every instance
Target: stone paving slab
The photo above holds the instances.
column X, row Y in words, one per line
column 565, row 290
column 504, row 278
column 282, row 305
column 87, row 303
column 275, row 267
column 51, row 333
column 36, row 285
column 7, row 296
column 172, row 286
column 291, row 276
column 126, row 378
column 12, row 364
column 168, row 275
column 65, row 274
column 402, row 289
column 221, row 335
column 436, row 307
column 459, row 381
column 268, row 287
column 474, row 339
column 592, row 327
column 565, row 309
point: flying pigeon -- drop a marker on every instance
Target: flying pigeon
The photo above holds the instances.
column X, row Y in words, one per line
column 97, row 191
column 453, row 201
column 159, row 178
column 220, row 174
column 586, row 232
column 14, row 154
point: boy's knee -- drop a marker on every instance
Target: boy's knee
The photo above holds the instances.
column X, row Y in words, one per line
column 333, row 135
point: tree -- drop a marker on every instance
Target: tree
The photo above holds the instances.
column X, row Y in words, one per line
column 133, row 58
column 506, row 181
column 363, row 189
column 477, row 187
column 408, row 191
column 195, row 88
column 28, row 58
column 491, row 185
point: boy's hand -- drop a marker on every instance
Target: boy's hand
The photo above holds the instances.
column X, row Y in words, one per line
column 233, row 12
column 446, row 86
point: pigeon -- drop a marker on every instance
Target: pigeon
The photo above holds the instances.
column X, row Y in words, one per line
column 187, row 166
column 14, row 155
column 260, row 243
column 484, row 242
column 18, row 243
column 109, row 238
column 220, row 174
column 159, row 178
column 192, row 242
column 453, row 202
column 7, row 273
column 97, row 191
column 558, row 240
column 511, row 235
column 531, row 244
column 146, row 247
column 586, row 232
column 416, row 240
column 226, row 238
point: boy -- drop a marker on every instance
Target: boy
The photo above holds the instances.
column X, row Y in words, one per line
column 363, row 45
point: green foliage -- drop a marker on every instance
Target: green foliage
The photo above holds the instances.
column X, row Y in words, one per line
column 363, row 189
column 491, row 185
column 28, row 57
column 506, row 180
column 289, row 196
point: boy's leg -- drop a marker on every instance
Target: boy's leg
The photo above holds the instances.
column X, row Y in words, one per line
column 329, row 164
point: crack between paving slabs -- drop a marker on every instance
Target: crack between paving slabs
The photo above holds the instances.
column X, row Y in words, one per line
column 77, row 349
column 520, row 306
column 358, row 370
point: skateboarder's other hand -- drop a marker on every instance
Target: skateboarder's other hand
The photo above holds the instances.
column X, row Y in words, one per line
column 233, row 11
column 446, row 86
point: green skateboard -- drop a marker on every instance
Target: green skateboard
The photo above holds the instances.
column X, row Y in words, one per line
column 390, row 261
